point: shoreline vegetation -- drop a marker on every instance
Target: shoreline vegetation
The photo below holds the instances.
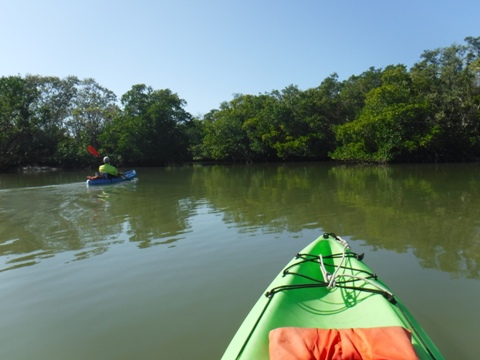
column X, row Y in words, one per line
column 428, row 113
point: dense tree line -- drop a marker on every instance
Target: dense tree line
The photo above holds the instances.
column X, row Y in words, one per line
column 430, row 112
column 51, row 121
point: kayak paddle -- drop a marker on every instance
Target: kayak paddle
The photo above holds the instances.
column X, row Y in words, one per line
column 92, row 151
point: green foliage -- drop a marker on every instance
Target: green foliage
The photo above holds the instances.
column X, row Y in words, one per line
column 17, row 120
column 286, row 125
column 430, row 112
column 149, row 129
column 224, row 136
column 390, row 125
column 94, row 108
column 448, row 81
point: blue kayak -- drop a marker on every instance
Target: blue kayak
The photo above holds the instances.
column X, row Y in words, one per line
column 127, row 176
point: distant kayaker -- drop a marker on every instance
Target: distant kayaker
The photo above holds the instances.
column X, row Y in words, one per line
column 107, row 170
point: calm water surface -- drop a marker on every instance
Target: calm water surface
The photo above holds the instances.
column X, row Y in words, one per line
column 167, row 267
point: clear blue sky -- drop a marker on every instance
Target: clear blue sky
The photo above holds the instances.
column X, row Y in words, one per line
column 206, row 51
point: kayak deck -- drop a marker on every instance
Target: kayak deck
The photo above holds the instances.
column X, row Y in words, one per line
column 326, row 286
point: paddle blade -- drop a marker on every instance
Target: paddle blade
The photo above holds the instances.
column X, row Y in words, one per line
column 92, row 151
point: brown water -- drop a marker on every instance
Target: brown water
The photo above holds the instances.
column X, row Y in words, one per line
column 167, row 267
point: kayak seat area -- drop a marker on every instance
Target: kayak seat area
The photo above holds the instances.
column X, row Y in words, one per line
column 95, row 177
column 391, row 342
